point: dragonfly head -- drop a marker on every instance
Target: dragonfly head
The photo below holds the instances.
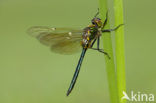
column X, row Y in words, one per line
column 97, row 22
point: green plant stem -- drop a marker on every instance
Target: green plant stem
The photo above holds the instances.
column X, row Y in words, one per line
column 120, row 55
column 110, row 67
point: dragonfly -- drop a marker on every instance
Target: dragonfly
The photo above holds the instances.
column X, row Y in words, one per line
column 69, row 41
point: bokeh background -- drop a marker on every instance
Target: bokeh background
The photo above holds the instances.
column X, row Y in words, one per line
column 31, row 73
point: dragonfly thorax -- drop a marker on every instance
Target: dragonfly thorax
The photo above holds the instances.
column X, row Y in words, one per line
column 89, row 34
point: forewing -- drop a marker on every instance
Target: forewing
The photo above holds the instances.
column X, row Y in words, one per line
column 61, row 40
column 37, row 30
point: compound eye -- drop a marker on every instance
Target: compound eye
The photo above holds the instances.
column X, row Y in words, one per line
column 93, row 22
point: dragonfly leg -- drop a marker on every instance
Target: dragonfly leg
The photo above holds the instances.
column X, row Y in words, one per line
column 105, row 22
column 96, row 14
column 93, row 43
column 102, row 51
column 98, row 42
column 98, row 48
column 109, row 30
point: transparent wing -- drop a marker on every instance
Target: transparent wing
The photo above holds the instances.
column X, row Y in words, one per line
column 61, row 40
column 66, row 47
column 37, row 30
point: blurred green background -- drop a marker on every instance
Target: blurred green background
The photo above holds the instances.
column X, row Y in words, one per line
column 31, row 73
